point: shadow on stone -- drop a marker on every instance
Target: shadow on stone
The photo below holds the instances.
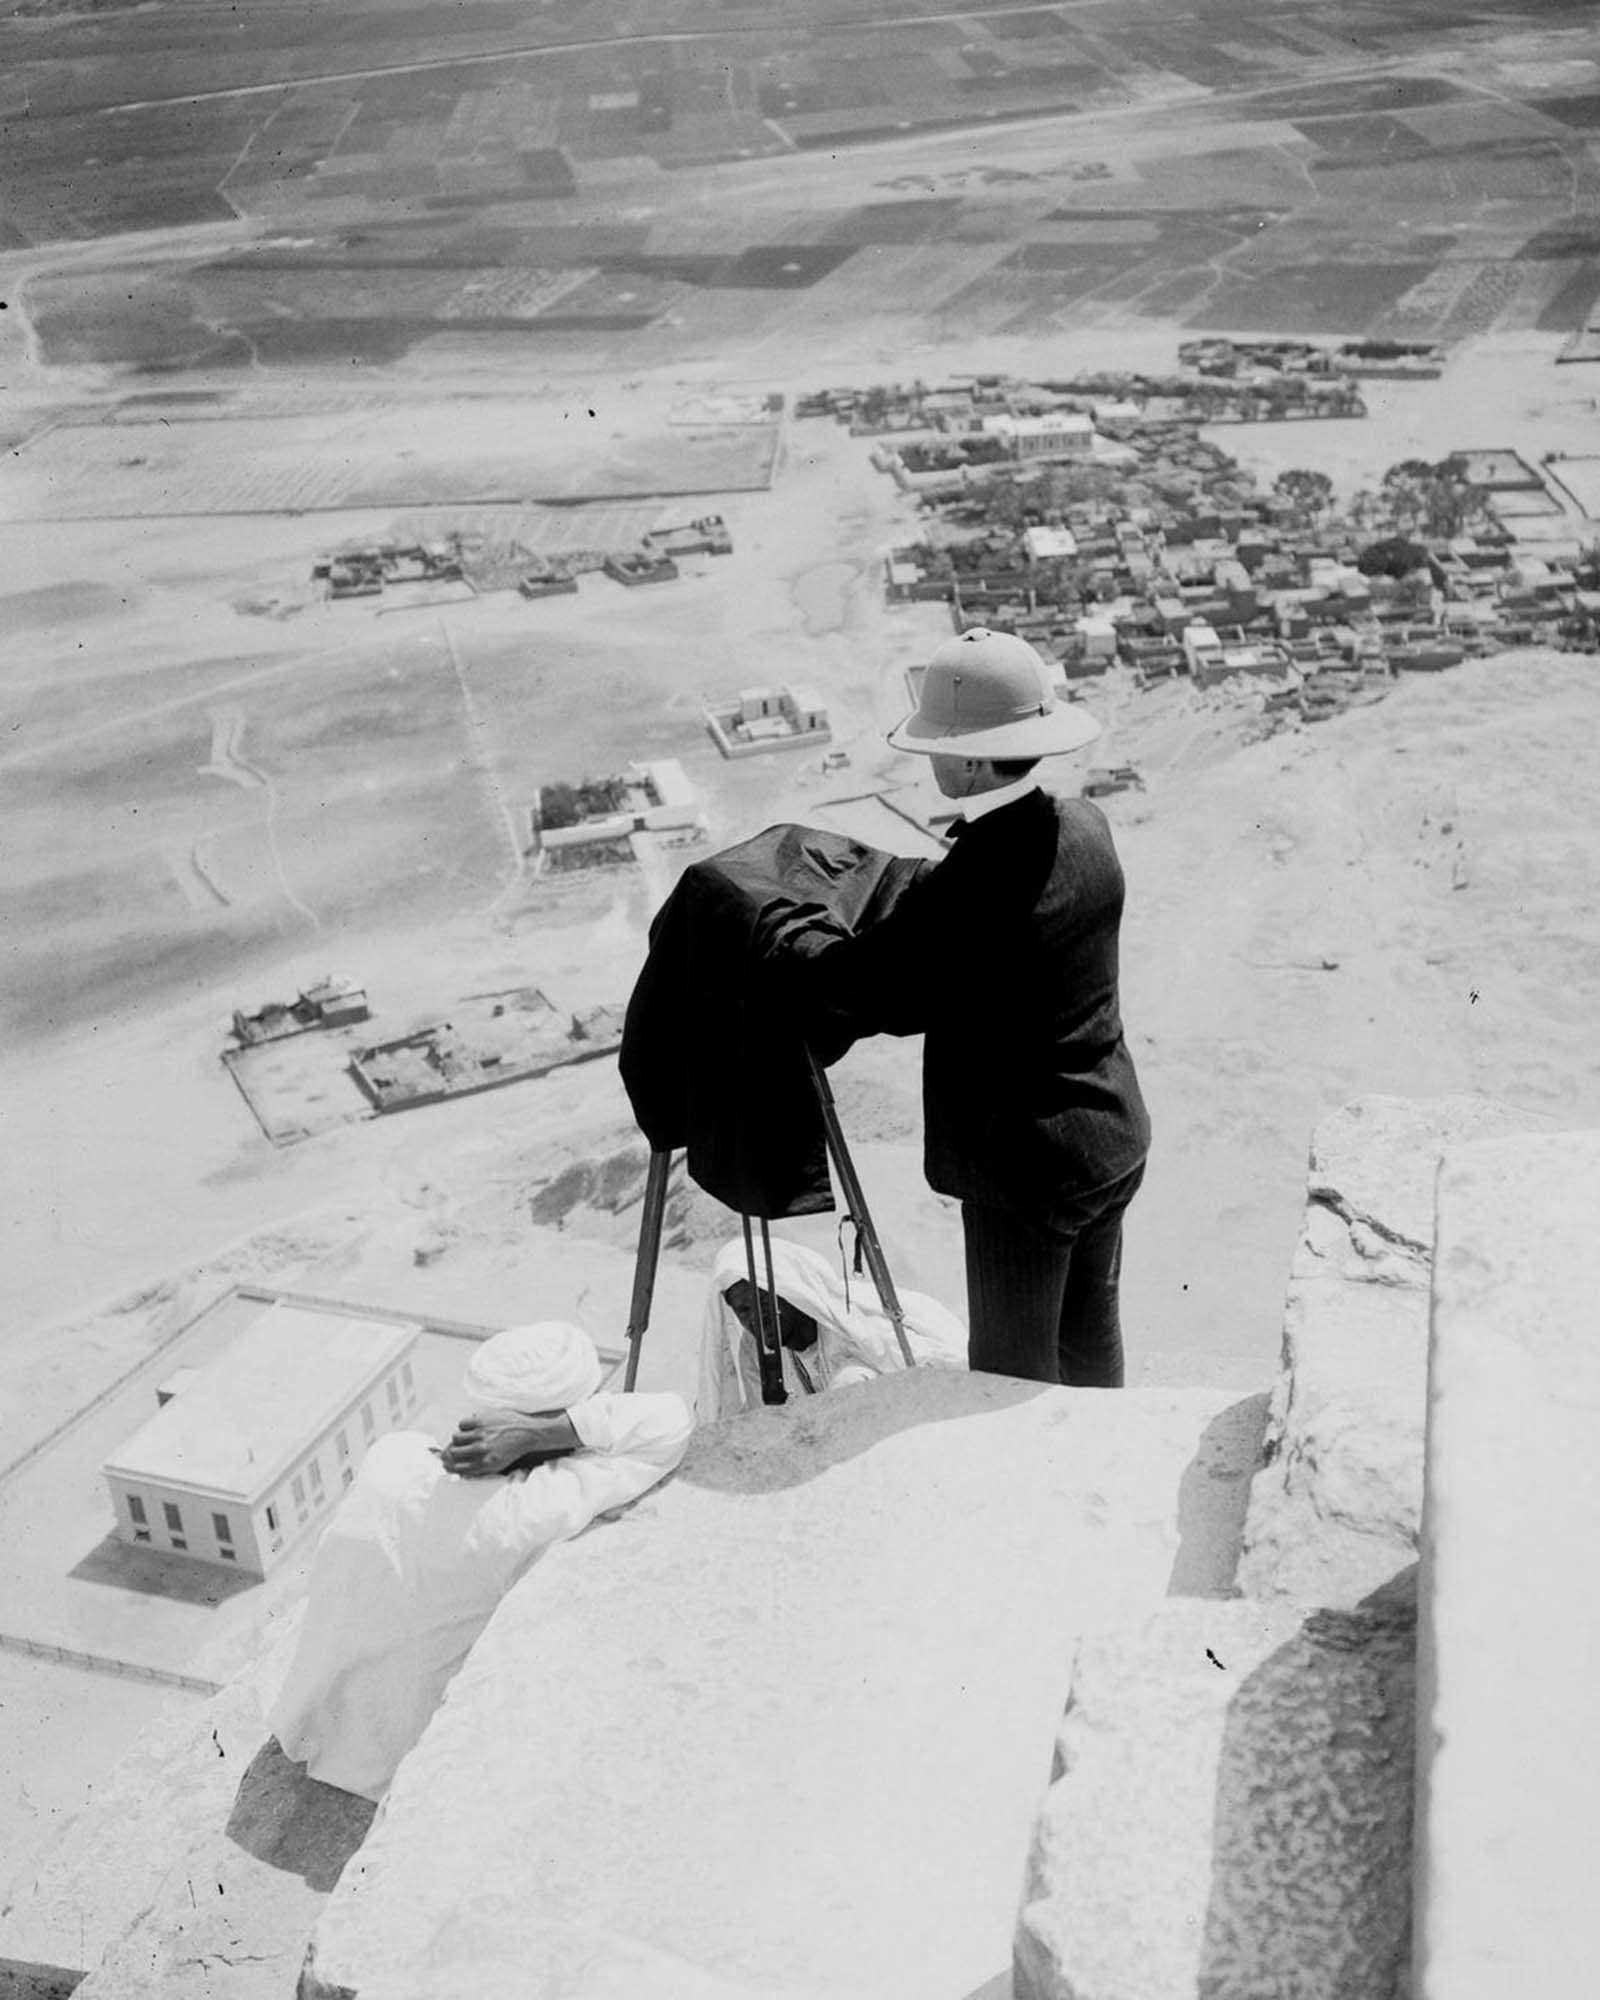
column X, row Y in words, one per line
column 998, row 1988
column 290, row 1822
column 1213, row 1496
column 1311, row 1845
column 183, row 1579
column 768, row 1450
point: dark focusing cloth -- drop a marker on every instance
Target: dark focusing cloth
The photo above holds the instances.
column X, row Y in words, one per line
column 713, row 1058
column 1005, row 954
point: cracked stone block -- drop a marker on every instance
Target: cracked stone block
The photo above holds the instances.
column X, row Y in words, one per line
column 235, row 1908
column 1230, row 1816
column 195, row 1872
column 1509, row 1775
column 107, row 1865
column 1336, row 1508
column 1375, row 1158
column 781, row 1730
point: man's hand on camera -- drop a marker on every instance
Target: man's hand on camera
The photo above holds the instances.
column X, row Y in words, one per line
column 492, row 1441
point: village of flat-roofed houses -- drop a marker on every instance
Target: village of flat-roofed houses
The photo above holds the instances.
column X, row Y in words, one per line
column 1091, row 516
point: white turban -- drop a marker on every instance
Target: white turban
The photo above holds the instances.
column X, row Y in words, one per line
column 547, row 1366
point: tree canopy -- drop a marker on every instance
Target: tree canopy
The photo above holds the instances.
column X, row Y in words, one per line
column 1395, row 555
column 1437, row 499
column 1311, row 490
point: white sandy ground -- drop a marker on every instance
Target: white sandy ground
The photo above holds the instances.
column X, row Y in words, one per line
column 1404, row 899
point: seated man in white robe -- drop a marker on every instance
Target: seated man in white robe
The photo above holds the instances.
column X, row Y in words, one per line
column 427, row 1542
column 831, row 1334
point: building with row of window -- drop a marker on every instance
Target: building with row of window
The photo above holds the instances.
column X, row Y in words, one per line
column 245, row 1453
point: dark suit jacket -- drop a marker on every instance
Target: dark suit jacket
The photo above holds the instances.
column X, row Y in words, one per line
column 1005, row 955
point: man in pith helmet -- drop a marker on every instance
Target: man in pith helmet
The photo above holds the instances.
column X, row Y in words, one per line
column 1004, row 954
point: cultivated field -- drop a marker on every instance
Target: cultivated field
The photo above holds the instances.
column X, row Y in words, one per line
column 548, row 185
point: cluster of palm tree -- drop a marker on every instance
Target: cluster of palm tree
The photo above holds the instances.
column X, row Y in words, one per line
column 1413, row 498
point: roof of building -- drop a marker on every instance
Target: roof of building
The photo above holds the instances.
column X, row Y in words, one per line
column 671, row 781
column 265, row 1399
column 1058, row 423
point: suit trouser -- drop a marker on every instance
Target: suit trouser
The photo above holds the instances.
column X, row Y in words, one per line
column 1042, row 1297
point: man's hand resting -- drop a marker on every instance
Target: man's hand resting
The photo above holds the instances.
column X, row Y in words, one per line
column 492, row 1441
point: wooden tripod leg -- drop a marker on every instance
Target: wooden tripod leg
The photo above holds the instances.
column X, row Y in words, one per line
column 769, row 1355
column 855, row 1202
column 644, row 1269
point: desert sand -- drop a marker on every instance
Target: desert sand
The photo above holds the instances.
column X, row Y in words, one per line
column 396, row 858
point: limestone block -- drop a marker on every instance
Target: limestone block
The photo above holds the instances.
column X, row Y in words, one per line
column 232, row 1916
column 1231, row 1814
column 195, row 1872
column 106, row 1867
column 1374, row 1160
column 1509, row 1772
column 781, row 1729
column 1336, row 1508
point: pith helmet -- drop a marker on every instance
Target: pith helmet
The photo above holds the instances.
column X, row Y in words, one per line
column 988, row 694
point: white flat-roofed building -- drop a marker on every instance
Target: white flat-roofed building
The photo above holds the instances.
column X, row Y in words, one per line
column 670, row 800
column 805, row 708
column 1098, row 634
column 265, row 1438
column 1202, row 649
column 1048, row 543
column 768, row 718
column 1061, row 434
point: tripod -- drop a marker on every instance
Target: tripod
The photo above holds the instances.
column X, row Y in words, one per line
column 768, row 1348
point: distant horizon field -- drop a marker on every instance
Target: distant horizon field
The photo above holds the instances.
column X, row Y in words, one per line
column 646, row 195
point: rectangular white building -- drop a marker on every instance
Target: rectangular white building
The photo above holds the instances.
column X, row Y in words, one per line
column 769, row 718
column 1062, row 434
column 265, row 1438
column 1047, row 544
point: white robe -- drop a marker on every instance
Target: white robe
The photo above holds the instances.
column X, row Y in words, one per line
column 855, row 1338
column 413, row 1564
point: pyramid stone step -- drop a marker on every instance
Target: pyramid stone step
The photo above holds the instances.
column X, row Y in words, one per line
column 1336, row 1510
column 1231, row 1814
column 1509, row 1777
column 783, row 1728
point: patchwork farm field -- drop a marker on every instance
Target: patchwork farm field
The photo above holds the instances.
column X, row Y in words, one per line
column 560, row 183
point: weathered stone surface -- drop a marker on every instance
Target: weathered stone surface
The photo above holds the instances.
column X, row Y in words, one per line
column 1336, row 1509
column 1509, row 1805
column 108, row 1864
column 1231, row 1815
column 231, row 1919
column 195, row 1874
column 781, row 1730
column 1373, row 1160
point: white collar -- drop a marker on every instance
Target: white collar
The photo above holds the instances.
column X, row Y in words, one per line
column 987, row 802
